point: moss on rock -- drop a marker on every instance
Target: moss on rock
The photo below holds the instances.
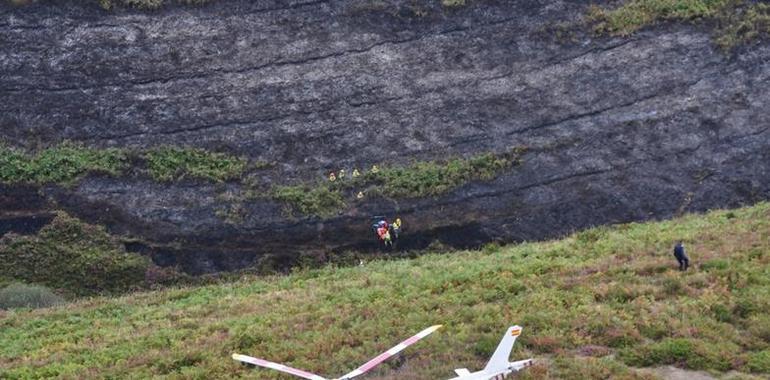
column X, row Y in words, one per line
column 62, row 164
column 420, row 179
column 172, row 163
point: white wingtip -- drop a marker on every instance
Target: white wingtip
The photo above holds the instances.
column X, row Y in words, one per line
column 277, row 366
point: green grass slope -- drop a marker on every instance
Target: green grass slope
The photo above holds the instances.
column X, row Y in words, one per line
column 597, row 304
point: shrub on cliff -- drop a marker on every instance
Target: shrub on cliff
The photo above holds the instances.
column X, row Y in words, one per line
column 171, row 163
column 434, row 178
column 453, row 3
column 633, row 15
column 319, row 201
column 78, row 258
column 62, row 164
column 420, row 179
column 145, row 4
column 739, row 22
column 744, row 25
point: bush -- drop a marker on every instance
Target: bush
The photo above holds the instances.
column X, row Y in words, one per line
column 687, row 353
column 759, row 362
column 170, row 163
column 73, row 256
column 759, row 326
column 739, row 22
column 69, row 162
column 672, row 286
column 453, row 3
column 491, row 248
column 743, row 26
column 754, row 303
column 320, row 201
column 715, row 265
column 63, row 164
column 591, row 236
column 636, row 14
column 145, row 4
column 420, row 179
column 485, row 346
column 434, row 178
column 721, row 313
column 29, row 296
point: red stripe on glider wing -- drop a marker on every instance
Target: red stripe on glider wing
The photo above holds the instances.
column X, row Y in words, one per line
column 392, row 351
column 374, row 362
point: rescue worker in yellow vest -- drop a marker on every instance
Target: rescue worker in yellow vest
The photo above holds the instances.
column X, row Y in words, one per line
column 396, row 228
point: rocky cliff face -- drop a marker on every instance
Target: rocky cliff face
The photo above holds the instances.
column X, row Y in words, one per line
column 617, row 129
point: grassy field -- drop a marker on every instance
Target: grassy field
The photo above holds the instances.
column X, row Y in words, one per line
column 597, row 304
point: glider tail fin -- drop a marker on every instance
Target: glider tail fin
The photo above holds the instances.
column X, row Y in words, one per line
column 500, row 358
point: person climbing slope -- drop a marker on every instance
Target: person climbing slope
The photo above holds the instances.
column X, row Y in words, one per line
column 681, row 256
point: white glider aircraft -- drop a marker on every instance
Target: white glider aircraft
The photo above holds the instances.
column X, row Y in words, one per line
column 357, row 372
column 498, row 366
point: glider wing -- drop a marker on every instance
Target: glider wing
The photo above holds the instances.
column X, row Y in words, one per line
column 390, row 353
column 277, row 367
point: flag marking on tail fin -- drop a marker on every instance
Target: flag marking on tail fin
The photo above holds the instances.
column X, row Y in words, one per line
column 499, row 359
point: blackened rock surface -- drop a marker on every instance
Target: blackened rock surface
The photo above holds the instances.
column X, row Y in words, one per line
column 22, row 210
column 618, row 129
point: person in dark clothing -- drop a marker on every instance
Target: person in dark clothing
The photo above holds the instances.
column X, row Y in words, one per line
column 681, row 256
